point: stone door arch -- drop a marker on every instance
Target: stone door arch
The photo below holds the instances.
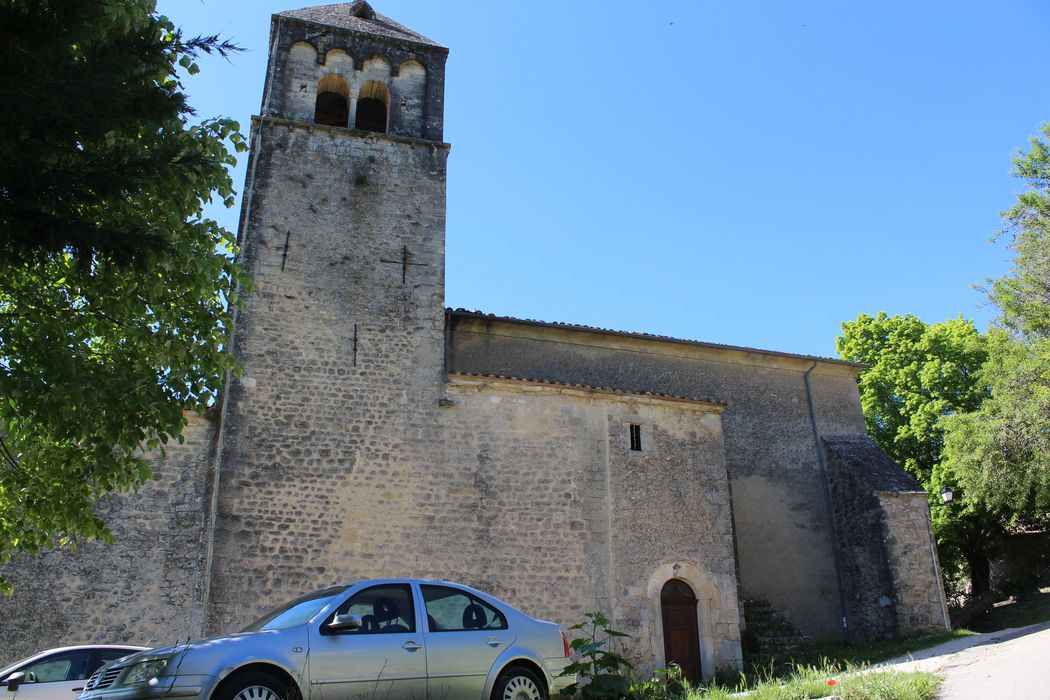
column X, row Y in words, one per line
column 716, row 616
column 678, row 607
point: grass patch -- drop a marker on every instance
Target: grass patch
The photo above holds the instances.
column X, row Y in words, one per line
column 807, row 682
column 1014, row 612
column 806, row 674
column 838, row 655
column 884, row 649
column 800, row 673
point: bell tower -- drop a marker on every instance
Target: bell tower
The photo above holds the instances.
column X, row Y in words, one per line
column 344, row 65
column 342, row 335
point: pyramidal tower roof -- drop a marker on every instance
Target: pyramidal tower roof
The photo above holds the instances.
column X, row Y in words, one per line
column 357, row 17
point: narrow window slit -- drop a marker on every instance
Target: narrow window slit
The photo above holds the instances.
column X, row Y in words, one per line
column 354, row 346
column 636, row 437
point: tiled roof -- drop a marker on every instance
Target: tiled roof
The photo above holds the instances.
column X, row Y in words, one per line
column 339, row 15
column 866, row 460
column 588, row 387
column 649, row 336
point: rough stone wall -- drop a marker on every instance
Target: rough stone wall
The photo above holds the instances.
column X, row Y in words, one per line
column 889, row 564
column 920, row 603
column 784, row 546
column 302, row 75
column 146, row 588
column 535, row 495
column 860, row 526
column 408, row 97
column 330, row 426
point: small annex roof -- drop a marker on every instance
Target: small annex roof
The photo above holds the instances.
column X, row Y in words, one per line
column 590, row 387
column 861, row 456
column 358, row 17
column 648, row 336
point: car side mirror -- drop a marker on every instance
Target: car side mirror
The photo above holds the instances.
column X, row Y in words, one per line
column 14, row 680
column 345, row 622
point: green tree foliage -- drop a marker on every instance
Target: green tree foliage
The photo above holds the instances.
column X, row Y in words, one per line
column 918, row 375
column 1001, row 452
column 114, row 287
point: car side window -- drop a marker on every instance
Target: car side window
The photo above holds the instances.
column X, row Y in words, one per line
column 386, row 609
column 453, row 610
column 67, row 666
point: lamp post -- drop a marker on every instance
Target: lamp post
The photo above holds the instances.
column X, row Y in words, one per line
column 947, row 495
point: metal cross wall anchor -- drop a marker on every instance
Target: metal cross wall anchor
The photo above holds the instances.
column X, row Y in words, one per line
column 355, row 345
column 284, row 255
column 404, row 263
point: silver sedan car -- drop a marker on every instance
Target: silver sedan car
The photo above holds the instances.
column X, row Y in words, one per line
column 391, row 639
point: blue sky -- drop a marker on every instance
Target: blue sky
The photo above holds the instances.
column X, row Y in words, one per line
column 750, row 173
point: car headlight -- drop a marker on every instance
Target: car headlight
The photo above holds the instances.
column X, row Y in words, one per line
column 144, row 671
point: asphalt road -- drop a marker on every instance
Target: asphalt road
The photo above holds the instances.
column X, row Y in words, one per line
column 1010, row 664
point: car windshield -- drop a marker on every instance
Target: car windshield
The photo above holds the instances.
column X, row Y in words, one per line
column 296, row 612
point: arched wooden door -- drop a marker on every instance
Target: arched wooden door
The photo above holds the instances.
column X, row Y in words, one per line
column 681, row 635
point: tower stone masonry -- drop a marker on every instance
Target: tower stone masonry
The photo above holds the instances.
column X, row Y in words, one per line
column 342, row 339
column 561, row 467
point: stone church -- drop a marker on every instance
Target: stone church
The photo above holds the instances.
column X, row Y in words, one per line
column 560, row 467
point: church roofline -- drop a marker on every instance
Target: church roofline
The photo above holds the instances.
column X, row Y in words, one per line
column 339, row 16
column 711, row 404
column 574, row 327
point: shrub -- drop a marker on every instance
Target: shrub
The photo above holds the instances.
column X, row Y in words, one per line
column 603, row 674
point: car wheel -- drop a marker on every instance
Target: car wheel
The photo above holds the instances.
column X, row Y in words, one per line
column 253, row 686
column 518, row 684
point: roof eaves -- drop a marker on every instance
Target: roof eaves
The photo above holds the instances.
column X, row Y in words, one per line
column 588, row 387
column 648, row 336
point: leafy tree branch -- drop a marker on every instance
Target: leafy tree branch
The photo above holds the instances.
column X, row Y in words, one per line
column 115, row 289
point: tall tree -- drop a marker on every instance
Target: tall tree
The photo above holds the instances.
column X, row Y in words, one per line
column 1001, row 452
column 114, row 288
column 919, row 374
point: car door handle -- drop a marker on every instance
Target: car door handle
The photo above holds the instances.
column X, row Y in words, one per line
column 493, row 642
column 411, row 646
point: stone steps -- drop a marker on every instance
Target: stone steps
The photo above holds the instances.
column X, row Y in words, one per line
column 768, row 634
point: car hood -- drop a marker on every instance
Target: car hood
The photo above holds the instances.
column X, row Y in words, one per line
column 182, row 647
column 222, row 639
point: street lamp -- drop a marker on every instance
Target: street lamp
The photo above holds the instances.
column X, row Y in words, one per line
column 947, row 495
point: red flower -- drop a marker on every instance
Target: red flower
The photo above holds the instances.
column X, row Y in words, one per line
column 832, row 682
